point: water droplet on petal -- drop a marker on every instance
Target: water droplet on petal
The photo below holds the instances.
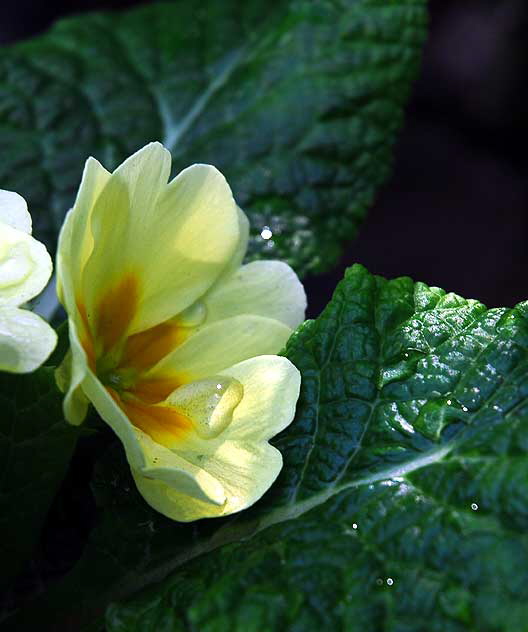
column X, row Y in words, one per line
column 208, row 403
column 193, row 316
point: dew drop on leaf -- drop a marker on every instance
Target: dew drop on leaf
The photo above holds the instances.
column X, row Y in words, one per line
column 266, row 233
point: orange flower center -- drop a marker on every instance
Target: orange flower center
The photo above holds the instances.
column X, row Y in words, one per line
column 121, row 361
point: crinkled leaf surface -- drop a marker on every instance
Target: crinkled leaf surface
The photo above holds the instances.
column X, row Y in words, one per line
column 402, row 505
column 297, row 103
column 36, row 445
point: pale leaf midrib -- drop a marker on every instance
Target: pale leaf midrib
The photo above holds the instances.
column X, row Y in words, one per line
column 230, row 535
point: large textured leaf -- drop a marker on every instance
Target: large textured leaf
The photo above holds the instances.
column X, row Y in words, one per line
column 36, row 445
column 402, row 505
column 296, row 102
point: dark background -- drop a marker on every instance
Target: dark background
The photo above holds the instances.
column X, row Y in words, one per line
column 454, row 213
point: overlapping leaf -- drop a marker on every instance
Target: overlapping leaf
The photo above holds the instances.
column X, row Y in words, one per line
column 296, row 102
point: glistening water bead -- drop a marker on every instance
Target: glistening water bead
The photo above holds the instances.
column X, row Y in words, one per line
column 209, row 403
column 193, row 316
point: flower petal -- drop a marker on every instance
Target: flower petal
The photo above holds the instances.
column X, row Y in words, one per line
column 115, row 418
column 266, row 288
column 63, row 266
column 180, row 475
column 271, row 390
column 239, row 458
column 240, row 250
column 25, row 266
column 14, row 211
column 174, row 239
column 245, row 471
column 121, row 217
column 75, row 238
column 94, row 179
column 222, row 344
column 69, row 376
column 26, row 340
column 196, row 236
column 149, row 460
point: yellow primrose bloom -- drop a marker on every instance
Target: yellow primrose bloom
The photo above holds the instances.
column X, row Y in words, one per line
column 25, row 267
column 171, row 335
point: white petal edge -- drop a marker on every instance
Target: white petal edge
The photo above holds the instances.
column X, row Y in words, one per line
column 25, row 266
column 14, row 211
column 26, row 340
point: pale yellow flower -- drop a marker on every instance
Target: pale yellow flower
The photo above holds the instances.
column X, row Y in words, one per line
column 171, row 336
column 25, row 268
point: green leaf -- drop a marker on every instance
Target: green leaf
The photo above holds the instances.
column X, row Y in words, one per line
column 402, row 505
column 297, row 103
column 36, row 445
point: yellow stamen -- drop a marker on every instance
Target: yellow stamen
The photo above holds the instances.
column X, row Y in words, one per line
column 156, row 390
column 147, row 348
